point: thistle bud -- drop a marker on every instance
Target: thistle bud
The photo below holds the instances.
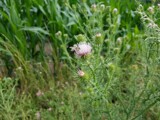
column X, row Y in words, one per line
column 151, row 10
column 65, row 36
column 20, row 68
column 94, row 7
column 115, row 11
column 119, row 41
column 38, row 115
column 128, row 47
column 98, row 35
column 102, row 7
column 134, row 67
column 58, row 34
column 140, row 6
column 62, row 103
column 152, row 25
column 74, row 7
column 80, row 38
column 50, row 109
column 39, row 93
column 116, row 50
column 98, row 38
column 111, row 66
column 81, row 73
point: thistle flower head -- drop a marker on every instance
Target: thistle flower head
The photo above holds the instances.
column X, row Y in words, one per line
column 81, row 73
column 38, row 115
column 151, row 9
column 98, row 39
column 80, row 38
column 119, row 40
column 50, row 109
column 59, row 33
column 98, row 35
column 152, row 25
column 94, row 7
column 39, row 93
column 115, row 10
column 82, row 49
column 102, row 6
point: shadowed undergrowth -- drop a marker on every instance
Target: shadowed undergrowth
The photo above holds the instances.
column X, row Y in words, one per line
column 94, row 60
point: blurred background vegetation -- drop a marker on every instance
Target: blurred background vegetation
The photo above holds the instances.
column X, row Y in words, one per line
column 35, row 57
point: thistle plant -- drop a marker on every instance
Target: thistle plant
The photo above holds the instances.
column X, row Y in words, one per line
column 99, row 66
column 93, row 57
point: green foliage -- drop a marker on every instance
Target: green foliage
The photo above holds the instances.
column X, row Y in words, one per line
column 47, row 71
column 14, row 106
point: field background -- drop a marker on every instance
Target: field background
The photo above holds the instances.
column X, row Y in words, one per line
column 40, row 76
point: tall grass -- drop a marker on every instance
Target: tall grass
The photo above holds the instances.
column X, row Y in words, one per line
column 117, row 80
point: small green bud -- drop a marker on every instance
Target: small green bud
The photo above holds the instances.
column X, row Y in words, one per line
column 95, row 103
column 74, row 7
column 151, row 10
column 115, row 11
column 65, row 36
column 80, row 38
column 111, row 66
column 116, row 50
column 58, row 34
column 141, row 6
column 90, row 90
column 128, row 47
column 135, row 67
column 94, row 8
column 83, row 74
column 98, row 38
column 119, row 41
column 102, row 7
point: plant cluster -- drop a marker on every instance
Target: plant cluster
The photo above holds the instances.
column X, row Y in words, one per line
column 95, row 59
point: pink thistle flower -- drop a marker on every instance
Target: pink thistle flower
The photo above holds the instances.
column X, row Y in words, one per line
column 39, row 93
column 38, row 115
column 82, row 49
column 81, row 73
column 50, row 109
